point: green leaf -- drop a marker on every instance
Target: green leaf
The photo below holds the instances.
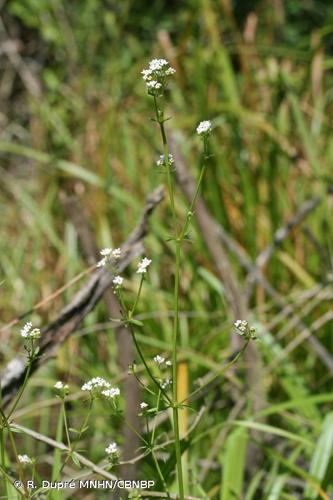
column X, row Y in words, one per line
column 270, row 429
column 322, row 455
column 233, row 460
column 76, row 460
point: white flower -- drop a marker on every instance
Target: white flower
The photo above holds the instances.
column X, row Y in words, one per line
column 106, row 251
column 168, row 363
column 111, row 393
column 143, row 405
column 118, row 281
column 153, row 84
column 26, row 331
column 112, row 449
column 142, row 266
column 241, row 325
column 24, row 459
column 102, row 262
column 146, row 74
column 204, row 127
column 116, row 253
column 160, row 161
column 170, row 71
column 156, row 74
column 157, row 64
column 159, row 359
column 166, row 383
column 95, row 383
column 60, row 385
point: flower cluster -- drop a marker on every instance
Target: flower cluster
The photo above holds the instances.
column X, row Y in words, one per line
column 118, row 281
column 161, row 163
column 142, row 266
column 204, row 128
column 112, row 449
column 111, row 393
column 60, row 385
column 107, row 255
column 24, row 459
column 159, row 360
column 98, row 386
column 243, row 328
column 28, row 332
column 156, row 75
column 62, row 389
column 143, row 405
column 166, row 383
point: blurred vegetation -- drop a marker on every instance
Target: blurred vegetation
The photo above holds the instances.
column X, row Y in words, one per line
column 74, row 112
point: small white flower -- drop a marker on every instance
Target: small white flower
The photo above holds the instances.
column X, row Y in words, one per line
column 26, row 329
column 146, row 74
column 24, row 459
column 112, row 449
column 170, row 71
column 35, row 333
column 166, row 383
column 157, row 64
column 168, row 363
column 28, row 332
column 95, row 383
column 159, row 359
column 60, row 385
column 143, row 405
column 142, row 266
column 153, row 84
column 111, row 393
column 118, row 281
column 116, row 253
column 204, row 127
column 106, row 251
column 160, row 161
column 102, row 262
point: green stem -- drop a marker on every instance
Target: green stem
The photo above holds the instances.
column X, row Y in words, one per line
column 66, row 423
column 175, row 375
column 160, row 119
column 148, row 370
column 23, row 386
column 137, row 297
column 214, row 377
column 83, row 426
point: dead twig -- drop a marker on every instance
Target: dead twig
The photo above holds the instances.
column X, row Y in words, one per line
column 82, row 303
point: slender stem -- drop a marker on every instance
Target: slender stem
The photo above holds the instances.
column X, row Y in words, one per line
column 66, row 423
column 2, row 445
column 175, row 375
column 129, row 315
column 137, row 296
column 23, row 386
column 12, row 482
column 214, row 377
column 3, row 461
column 73, row 448
column 138, row 348
column 160, row 473
column 160, row 119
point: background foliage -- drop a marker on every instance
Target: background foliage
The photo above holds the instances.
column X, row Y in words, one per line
column 71, row 90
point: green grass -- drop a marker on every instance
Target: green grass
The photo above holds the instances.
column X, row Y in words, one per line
column 89, row 131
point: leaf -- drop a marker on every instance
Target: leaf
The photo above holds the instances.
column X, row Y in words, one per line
column 322, row 455
column 233, row 464
column 270, row 429
column 76, row 460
